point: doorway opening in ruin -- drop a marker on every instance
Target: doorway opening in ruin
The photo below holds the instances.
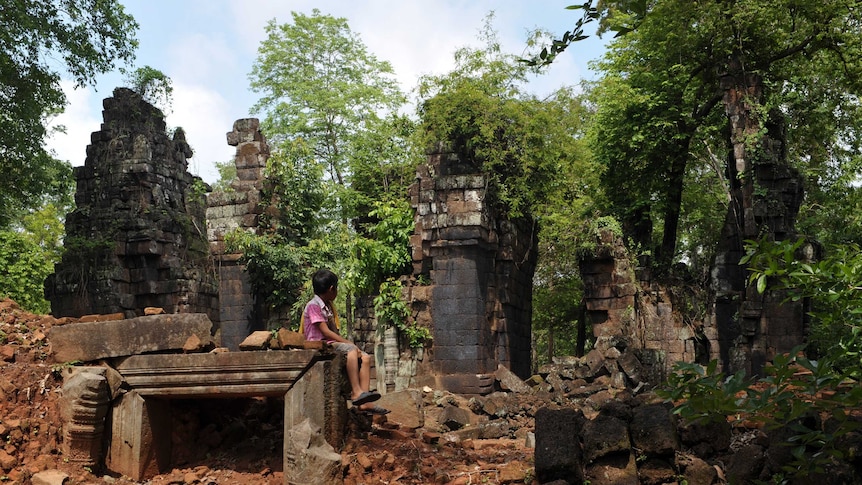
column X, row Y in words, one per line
column 241, row 434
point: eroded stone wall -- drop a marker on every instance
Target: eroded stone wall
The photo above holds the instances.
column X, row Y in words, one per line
column 750, row 328
column 240, row 311
column 635, row 316
column 137, row 238
column 471, row 283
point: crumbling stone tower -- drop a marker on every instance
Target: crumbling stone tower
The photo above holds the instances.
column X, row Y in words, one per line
column 479, row 266
column 241, row 312
column 138, row 235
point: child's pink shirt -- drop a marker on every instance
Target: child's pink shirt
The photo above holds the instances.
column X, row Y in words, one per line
column 316, row 312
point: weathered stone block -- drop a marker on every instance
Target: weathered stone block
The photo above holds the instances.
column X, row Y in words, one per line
column 653, row 430
column 308, row 458
column 286, row 339
column 406, row 408
column 258, row 340
column 98, row 340
column 49, row 477
column 140, row 438
column 620, row 469
column 509, row 381
column 558, row 454
column 603, row 436
column 83, row 407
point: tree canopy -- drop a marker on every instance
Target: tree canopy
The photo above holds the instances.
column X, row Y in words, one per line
column 663, row 113
column 40, row 42
column 340, row 163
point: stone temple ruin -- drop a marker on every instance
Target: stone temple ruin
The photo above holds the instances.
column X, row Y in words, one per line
column 144, row 236
column 137, row 238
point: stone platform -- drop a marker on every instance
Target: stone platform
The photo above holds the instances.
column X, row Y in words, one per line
column 140, row 439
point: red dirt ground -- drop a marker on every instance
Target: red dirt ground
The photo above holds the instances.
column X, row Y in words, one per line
column 240, row 444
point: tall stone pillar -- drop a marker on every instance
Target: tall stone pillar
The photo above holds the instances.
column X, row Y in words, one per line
column 766, row 192
column 480, row 267
column 240, row 209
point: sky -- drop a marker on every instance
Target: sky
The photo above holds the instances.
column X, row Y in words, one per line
column 207, row 49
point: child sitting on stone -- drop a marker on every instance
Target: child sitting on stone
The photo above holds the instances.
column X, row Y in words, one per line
column 320, row 322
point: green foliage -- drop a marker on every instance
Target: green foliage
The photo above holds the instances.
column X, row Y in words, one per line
column 341, row 166
column 622, row 17
column 785, row 398
column 383, row 165
column 556, row 311
column 392, row 311
column 23, row 269
column 480, row 111
column 706, row 394
column 39, row 41
column 153, row 85
column 832, row 286
column 321, row 88
column 384, row 252
column 58, row 369
column 796, row 388
column 294, row 184
column 659, row 126
column 227, row 175
column 28, row 252
column 277, row 270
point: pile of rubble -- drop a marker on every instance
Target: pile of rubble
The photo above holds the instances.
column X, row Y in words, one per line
column 570, row 423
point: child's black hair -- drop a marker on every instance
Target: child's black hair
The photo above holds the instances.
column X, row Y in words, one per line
column 323, row 280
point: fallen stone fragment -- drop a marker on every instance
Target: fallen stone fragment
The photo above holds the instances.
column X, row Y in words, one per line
column 313, row 345
column 193, row 344
column 151, row 310
column 512, row 472
column 49, row 477
column 619, row 469
column 509, row 381
column 7, row 353
column 405, row 408
column 454, row 418
column 7, row 461
column 91, row 341
column 110, row 317
column 363, row 461
column 286, row 339
column 258, row 340
column 309, row 459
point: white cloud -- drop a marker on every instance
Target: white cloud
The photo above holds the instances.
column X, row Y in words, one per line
column 205, row 116
column 209, row 55
column 80, row 120
column 202, row 57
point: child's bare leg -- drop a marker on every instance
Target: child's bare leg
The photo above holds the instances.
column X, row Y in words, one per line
column 353, row 373
column 365, row 371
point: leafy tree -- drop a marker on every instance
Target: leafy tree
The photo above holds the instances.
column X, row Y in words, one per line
column 831, row 284
column 340, row 166
column 679, row 61
column 153, row 85
column 28, row 252
column 787, row 398
column 226, row 176
column 556, row 315
column 534, row 154
column 565, row 220
column 40, row 41
column 322, row 87
column 482, row 111
column 23, row 268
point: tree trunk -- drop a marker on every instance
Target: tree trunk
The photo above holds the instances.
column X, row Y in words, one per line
column 667, row 250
